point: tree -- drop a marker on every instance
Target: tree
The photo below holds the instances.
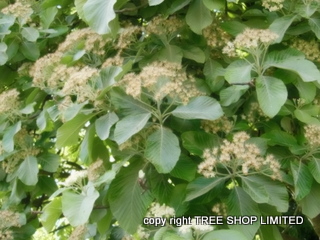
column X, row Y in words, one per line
column 115, row 114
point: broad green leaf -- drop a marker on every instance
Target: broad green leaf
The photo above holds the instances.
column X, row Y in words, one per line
column 127, row 104
column 197, row 142
column 280, row 26
column 306, row 9
column 109, row 75
column 177, row 5
column 78, row 207
column 6, row 21
column 267, row 232
column 7, row 140
column 232, row 94
column 233, row 27
column 307, row 91
column 202, row 107
column 129, row 126
column 278, row 137
column 30, row 33
column 87, row 145
column 68, row 133
column 315, row 26
column 194, row 53
column 171, row 53
column 271, row 93
column 276, row 191
column 30, row 50
column 98, row 14
column 212, row 69
column 294, row 61
column 255, row 189
column 73, row 110
column 104, row 123
column 163, row 150
column 238, row 71
column 239, row 203
column 214, row 4
column 128, row 201
column 202, row 185
column 310, row 204
column 303, row 116
column 3, row 55
column 224, row 235
column 154, row 2
column 50, row 214
column 177, row 199
column 79, row 7
column 47, row 16
column 185, row 169
column 302, row 180
column 49, row 161
column 314, row 168
column 28, row 171
column 198, row 16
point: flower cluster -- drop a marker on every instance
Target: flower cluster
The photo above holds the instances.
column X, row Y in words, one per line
column 157, row 210
column 312, row 134
column 75, row 178
column 9, row 103
column 6, row 235
column 220, row 209
column 196, row 228
column 78, row 233
column 95, row 170
column 273, row 5
column 9, row 219
column 215, row 36
column 309, row 48
column 250, row 39
column 162, row 79
column 127, row 36
column 20, row 9
column 222, row 124
column 161, row 26
column 238, row 154
column 253, row 112
column 143, row 233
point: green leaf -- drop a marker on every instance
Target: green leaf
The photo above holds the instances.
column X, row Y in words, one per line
column 49, row 161
column 6, row 21
column 255, row 189
column 224, row 235
column 271, row 93
column 128, row 201
column 194, row 53
column 177, row 5
column 30, row 33
column 202, row 185
column 30, row 50
column 79, row 7
column 47, row 16
column 127, row 104
column 303, row 116
column 239, row 203
column 185, row 169
column 294, row 61
column 104, row 123
column 232, row 94
column 202, row 107
column 28, row 171
column 198, row 16
column 302, row 180
column 277, row 194
column 307, row 91
column 280, row 26
column 278, row 137
column 214, row 4
column 7, row 140
column 238, row 71
column 68, row 133
column 315, row 26
column 78, row 207
column 87, row 146
column 310, row 204
column 154, row 2
column 162, row 150
column 314, row 168
column 233, row 27
column 50, row 214
column 267, row 232
column 129, row 126
column 109, row 75
column 171, row 53
column 197, row 142
column 99, row 14
column 73, row 110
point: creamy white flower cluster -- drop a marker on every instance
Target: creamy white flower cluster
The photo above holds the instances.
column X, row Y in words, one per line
column 194, row 227
column 237, row 155
column 312, row 134
column 273, row 5
column 222, row 124
column 157, row 210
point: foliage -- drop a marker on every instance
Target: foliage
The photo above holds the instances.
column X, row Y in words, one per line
column 111, row 111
